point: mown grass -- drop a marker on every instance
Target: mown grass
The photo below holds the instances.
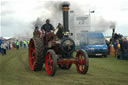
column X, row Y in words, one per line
column 14, row 70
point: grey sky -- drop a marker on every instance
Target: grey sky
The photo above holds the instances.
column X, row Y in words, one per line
column 17, row 15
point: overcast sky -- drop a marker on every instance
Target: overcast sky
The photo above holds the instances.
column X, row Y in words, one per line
column 17, row 15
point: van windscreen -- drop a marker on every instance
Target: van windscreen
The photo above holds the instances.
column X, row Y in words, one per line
column 96, row 40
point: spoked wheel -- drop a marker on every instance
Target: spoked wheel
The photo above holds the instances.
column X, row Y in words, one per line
column 35, row 54
column 50, row 63
column 64, row 66
column 82, row 66
column 32, row 55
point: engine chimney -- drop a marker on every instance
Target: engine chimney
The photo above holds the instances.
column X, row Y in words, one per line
column 113, row 34
column 65, row 7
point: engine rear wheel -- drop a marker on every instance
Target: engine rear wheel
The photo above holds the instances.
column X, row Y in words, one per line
column 50, row 63
column 82, row 66
column 64, row 66
column 36, row 54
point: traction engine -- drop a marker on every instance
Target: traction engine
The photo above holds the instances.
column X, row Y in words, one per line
column 46, row 48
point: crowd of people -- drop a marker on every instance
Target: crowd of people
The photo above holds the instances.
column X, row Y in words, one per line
column 120, row 48
column 7, row 45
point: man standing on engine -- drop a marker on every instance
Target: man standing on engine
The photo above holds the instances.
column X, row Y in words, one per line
column 47, row 27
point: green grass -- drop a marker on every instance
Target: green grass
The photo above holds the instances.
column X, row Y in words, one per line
column 14, row 70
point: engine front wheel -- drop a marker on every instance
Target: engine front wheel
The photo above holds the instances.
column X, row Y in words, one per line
column 50, row 63
column 82, row 66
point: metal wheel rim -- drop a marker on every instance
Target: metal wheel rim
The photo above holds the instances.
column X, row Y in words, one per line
column 48, row 63
column 81, row 65
column 32, row 54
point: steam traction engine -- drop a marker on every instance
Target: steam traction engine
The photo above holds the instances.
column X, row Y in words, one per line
column 45, row 48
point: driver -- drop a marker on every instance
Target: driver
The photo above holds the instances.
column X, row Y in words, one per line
column 47, row 27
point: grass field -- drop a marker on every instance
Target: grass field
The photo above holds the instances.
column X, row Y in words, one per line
column 14, row 70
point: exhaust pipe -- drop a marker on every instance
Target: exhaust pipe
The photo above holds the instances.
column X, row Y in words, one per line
column 113, row 35
column 65, row 8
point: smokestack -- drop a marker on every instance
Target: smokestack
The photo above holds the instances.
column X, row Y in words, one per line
column 113, row 30
column 65, row 7
column 113, row 34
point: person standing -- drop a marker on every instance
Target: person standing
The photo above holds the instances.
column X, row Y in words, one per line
column 115, row 48
column 21, row 43
column 24, row 42
column 17, row 45
column 122, row 48
column 0, row 46
column 125, row 49
column 46, row 28
column 118, row 49
column 3, row 47
column 59, row 32
column 11, row 46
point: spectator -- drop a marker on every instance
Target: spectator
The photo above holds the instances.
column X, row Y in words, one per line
column 17, row 44
column 115, row 44
column 0, row 48
column 122, row 48
column 21, row 43
column 125, row 49
column 11, row 46
column 118, row 49
column 115, row 47
column 0, row 45
column 3, row 46
column 24, row 42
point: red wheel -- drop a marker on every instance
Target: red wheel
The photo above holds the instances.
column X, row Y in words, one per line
column 32, row 55
column 50, row 63
column 35, row 54
column 82, row 66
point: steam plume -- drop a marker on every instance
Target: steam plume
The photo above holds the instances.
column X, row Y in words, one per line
column 54, row 10
column 100, row 24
